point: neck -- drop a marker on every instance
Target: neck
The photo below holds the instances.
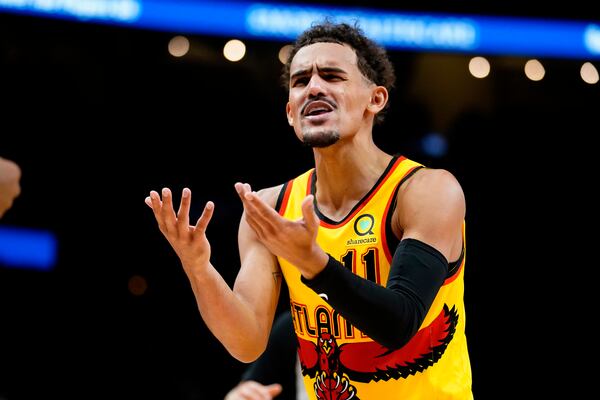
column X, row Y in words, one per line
column 345, row 173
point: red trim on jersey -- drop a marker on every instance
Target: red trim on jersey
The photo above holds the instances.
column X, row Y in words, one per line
column 364, row 202
column 384, row 244
column 386, row 248
column 286, row 197
column 455, row 275
column 309, row 182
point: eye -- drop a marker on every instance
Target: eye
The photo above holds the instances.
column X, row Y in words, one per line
column 332, row 78
column 300, row 82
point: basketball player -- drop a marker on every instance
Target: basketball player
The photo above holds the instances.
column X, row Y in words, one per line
column 371, row 245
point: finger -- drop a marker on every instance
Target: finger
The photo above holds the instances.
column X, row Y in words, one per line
column 167, row 211
column 148, row 201
column 274, row 389
column 255, row 391
column 238, row 186
column 156, row 204
column 240, row 392
column 157, row 210
column 261, row 211
column 155, row 198
column 308, row 212
column 205, row 218
column 250, row 201
column 241, row 190
column 253, row 223
column 183, row 214
column 261, row 226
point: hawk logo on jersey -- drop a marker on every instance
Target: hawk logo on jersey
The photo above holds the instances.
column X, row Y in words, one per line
column 334, row 366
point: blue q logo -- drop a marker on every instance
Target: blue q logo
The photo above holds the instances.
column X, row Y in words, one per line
column 364, row 225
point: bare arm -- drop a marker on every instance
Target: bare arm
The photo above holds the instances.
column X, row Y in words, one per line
column 431, row 208
column 240, row 318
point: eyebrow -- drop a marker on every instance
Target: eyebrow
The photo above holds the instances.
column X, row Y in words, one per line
column 307, row 71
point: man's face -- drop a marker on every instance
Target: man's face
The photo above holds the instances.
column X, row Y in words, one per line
column 328, row 94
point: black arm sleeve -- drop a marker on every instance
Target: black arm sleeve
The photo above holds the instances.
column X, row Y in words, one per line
column 277, row 363
column 390, row 315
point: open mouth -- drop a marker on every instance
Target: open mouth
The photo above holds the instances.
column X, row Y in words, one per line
column 316, row 108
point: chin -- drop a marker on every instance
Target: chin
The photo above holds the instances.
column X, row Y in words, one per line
column 320, row 138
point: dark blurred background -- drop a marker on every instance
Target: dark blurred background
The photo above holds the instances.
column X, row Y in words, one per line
column 97, row 116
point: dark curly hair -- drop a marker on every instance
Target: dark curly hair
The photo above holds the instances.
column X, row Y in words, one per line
column 372, row 59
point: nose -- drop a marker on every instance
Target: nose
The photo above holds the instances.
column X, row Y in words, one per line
column 316, row 86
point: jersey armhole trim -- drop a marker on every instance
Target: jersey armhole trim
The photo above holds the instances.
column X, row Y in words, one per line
column 283, row 197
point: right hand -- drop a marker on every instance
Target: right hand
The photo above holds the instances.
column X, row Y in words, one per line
column 251, row 390
column 188, row 241
column 275, row 231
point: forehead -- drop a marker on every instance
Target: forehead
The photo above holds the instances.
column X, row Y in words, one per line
column 324, row 55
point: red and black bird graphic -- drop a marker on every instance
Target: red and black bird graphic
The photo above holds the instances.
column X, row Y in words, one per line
column 336, row 366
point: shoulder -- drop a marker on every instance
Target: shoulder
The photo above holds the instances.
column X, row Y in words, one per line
column 431, row 208
column 438, row 180
column 432, row 188
column 274, row 194
column 271, row 194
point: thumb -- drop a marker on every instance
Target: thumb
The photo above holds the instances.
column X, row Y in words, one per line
column 274, row 389
column 308, row 212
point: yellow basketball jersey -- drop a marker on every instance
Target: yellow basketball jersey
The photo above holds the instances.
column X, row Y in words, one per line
column 338, row 360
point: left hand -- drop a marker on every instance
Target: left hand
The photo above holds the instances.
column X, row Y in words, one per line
column 296, row 241
column 189, row 241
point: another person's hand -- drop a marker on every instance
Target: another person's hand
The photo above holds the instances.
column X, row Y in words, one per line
column 10, row 188
column 251, row 390
column 188, row 241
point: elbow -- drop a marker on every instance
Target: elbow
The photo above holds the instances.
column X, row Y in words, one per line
column 245, row 358
column 248, row 354
column 248, row 346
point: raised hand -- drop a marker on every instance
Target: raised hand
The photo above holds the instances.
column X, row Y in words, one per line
column 293, row 240
column 188, row 241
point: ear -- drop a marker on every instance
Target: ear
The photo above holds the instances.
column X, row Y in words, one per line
column 288, row 111
column 379, row 98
